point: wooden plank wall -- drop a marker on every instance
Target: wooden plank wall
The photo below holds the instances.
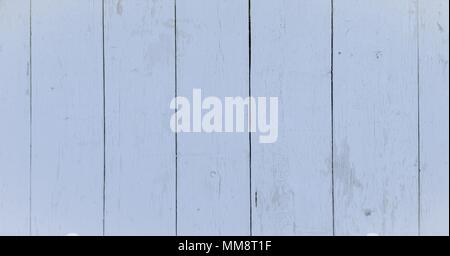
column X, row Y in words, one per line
column 434, row 129
column 213, row 171
column 291, row 59
column 86, row 146
column 375, row 117
column 15, row 117
column 140, row 148
column 67, row 117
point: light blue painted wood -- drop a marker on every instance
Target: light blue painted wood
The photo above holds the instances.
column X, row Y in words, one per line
column 434, row 130
column 14, row 117
column 67, row 117
column 375, row 117
column 140, row 147
column 213, row 169
column 291, row 60
column 390, row 79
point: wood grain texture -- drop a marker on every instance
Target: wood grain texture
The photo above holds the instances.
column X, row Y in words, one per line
column 85, row 139
column 291, row 60
column 434, row 112
column 67, row 118
column 140, row 147
column 14, row 117
column 375, row 117
column 213, row 169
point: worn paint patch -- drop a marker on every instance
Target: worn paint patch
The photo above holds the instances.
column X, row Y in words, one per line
column 345, row 172
column 119, row 7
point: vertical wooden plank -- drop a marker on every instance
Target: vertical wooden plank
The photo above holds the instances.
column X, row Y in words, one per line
column 213, row 169
column 375, row 117
column 14, row 117
column 67, row 119
column 434, row 129
column 291, row 60
column 140, row 147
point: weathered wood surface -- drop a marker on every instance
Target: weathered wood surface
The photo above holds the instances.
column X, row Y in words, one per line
column 86, row 145
column 14, row 117
column 140, row 147
column 291, row 60
column 67, row 117
column 375, row 117
column 433, row 73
